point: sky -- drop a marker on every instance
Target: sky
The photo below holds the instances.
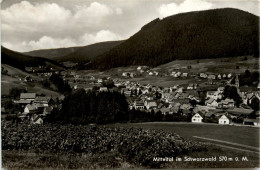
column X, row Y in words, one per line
column 42, row 24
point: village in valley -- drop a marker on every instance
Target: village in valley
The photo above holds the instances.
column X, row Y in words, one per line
column 206, row 100
column 130, row 84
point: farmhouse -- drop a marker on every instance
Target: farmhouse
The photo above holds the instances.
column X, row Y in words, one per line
column 224, row 119
column 28, row 96
column 45, row 101
column 197, row 118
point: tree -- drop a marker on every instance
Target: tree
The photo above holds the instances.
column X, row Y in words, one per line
column 62, row 86
column 193, row 102
column 15, row 92
column 247, row 73
column 231, row 93
column 255, row 104
column 46, row 83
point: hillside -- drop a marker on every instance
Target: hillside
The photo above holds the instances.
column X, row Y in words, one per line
column 75, row 54
column 19, row 60
column 195, row 35
column 52, row 53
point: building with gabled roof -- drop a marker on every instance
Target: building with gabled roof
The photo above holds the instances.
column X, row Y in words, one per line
column 225, row 119
column 27, row 96
column 197, row 118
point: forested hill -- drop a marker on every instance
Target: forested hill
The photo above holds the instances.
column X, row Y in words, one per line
column 19, row 60
column 52, row 53
column 76, row 54
column 89, row 52
column 195, row 35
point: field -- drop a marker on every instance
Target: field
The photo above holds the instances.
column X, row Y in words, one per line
column 14, row 79
column 237, row 134
column 136, row 152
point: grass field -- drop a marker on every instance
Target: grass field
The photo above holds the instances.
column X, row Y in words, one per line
column 239, row 134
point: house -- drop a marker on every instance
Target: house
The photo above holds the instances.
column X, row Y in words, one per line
column 224, row 76
column 36, row 119
column 156, row 73
column 184, row 74
column 150, row 104
column 203, row 75
column 211, row 102
column 33, row 108
column 229, row 75
column 212, row 76
column 100, row 81
column 150, row 73
column 214, row 95
column 254, row 122
column 132, row 75
column 190, row 87
column 28, row 96
column 219, row 76
column 138, row 105
column 224, row 120
column 45, row 101
column 103, row 89
column 227, row 103
column 125, row 74
column 197, row 118
column 179, row 90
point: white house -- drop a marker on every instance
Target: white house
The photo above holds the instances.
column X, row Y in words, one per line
column 197, row 118
column 103, row 89
column 184, row 74
column 224, row 120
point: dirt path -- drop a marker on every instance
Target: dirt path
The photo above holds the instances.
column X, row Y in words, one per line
column 232, row 145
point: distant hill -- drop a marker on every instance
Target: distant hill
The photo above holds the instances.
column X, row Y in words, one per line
column 52, row 53
column 19, row 60
column 194, row 35
column 75, row 54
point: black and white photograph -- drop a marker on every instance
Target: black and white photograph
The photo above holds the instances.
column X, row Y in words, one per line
column 130, row 84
